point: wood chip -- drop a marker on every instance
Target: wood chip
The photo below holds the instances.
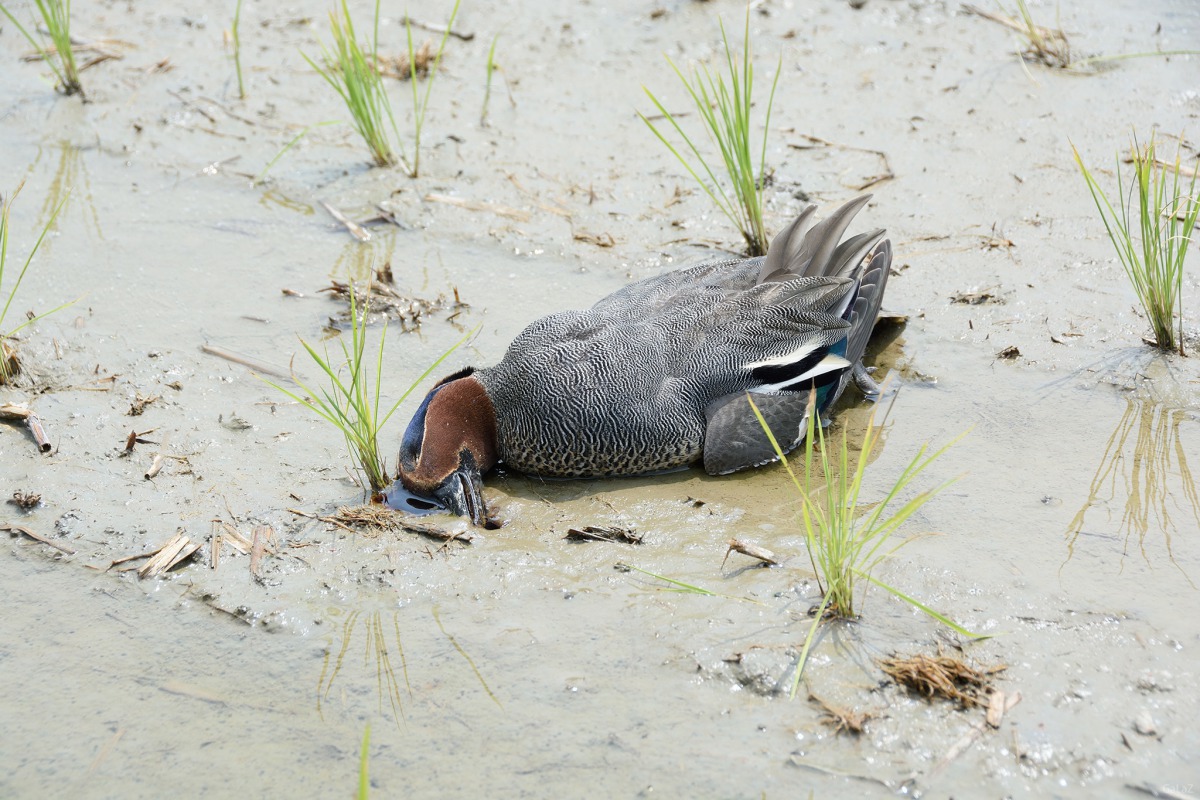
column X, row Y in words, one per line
column 750, row 549
column 262, row 543
column 234, row 539
column 996, row 707
column 22, row 530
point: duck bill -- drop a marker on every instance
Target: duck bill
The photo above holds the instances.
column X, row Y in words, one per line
column 462, row 494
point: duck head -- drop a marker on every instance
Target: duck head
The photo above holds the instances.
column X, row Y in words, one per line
column 449, row 445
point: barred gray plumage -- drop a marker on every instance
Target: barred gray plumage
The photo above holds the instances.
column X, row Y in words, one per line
column 656, row 376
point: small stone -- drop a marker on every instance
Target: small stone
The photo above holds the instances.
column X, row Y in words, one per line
column 1144, row 724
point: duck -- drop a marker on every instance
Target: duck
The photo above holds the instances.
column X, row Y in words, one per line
column 657, row 376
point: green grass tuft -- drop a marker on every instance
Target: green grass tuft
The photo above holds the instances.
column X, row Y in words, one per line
column 56, row 16
column 354, row 73
column 1166, row 215
column 350, row 70
column 350, row 402
column 724, row 105
column 845, row 541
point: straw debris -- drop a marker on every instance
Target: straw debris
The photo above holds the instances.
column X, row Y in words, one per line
column 380, row 297
column 596, row 533
column 177, row 549
column 943, row 676
column 25, row 500
column 842, row 720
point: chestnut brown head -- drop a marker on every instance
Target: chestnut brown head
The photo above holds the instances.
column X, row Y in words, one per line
column 449, row 445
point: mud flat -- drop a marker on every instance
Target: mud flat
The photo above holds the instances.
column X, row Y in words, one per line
column 524, row 663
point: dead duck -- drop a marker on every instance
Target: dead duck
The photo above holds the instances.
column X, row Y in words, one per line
column 655, row 376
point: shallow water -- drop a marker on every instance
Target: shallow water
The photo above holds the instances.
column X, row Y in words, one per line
column 524, row 664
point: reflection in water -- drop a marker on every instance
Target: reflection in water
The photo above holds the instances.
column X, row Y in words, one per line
column 1141, row 457
column 70, row 182
column 376, row 630
column 359, row 260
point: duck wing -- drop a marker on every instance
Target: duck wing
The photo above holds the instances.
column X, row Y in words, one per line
column 816, row 301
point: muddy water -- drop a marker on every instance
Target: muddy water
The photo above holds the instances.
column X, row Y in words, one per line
column 526, row 664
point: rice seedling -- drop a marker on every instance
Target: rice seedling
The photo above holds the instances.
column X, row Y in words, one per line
column 724, row 104
column 421, row 104
column 1166, row 216
column 1049, row 46
column 364, row 777
column 9, row 364
column 491, row 70
column 56, row 16
column 355, row 74
column 846, row 542
column 351, row 72
column 351, row 403
column 237, row 48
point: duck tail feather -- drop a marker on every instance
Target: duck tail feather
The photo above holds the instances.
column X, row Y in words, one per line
column 865, row 309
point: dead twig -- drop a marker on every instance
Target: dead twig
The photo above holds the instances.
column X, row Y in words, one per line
column 885, row 174
column 21, row 530
column 475, row 205
column 245, row 361
column 439, row 29
column 355, row 230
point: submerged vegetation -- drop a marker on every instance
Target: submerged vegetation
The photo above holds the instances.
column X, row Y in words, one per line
column 236, row 40
column 1143, row 481
column 349, row 401
column 724, row 104
column 1166, row 211
column 56, row 16
column 356, row 74
column 847, row 541
column 9, row 364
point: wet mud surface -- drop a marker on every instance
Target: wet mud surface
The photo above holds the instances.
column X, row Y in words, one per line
column 523, row 663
